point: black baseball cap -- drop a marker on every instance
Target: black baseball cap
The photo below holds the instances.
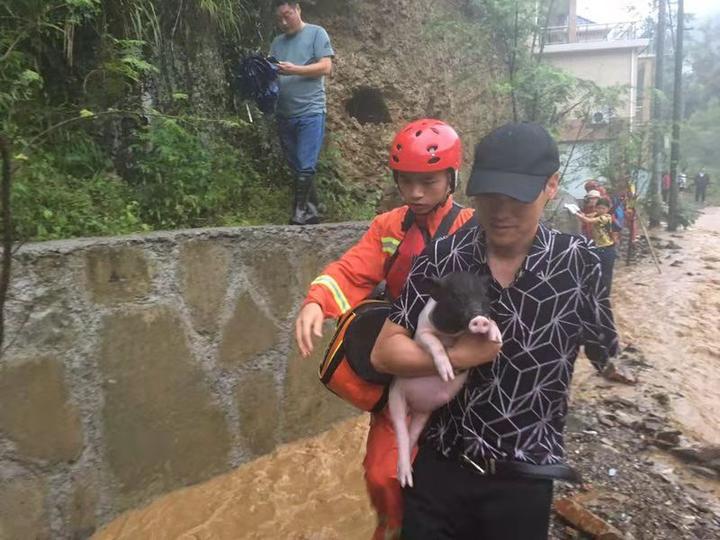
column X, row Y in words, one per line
column 514, row 160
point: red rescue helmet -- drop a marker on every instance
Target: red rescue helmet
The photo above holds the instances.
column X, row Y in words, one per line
column 427, row 146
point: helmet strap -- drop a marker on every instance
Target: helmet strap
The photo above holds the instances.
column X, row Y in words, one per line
column 454, row 177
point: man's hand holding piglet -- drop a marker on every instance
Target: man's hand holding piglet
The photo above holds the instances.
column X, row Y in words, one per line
column 469, row 348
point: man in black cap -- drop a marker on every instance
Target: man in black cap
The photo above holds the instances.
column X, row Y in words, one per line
column 486, row 466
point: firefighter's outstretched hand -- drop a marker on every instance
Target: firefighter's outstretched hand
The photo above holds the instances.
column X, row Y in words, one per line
column 308, row 326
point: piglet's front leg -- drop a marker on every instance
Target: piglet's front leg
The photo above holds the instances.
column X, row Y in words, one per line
column 494, row 334
column 425, row 336
column 436, row 349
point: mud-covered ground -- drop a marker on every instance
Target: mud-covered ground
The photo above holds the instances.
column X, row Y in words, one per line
column 649, row 453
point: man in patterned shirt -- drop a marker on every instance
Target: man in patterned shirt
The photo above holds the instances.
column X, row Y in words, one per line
column 486, row 466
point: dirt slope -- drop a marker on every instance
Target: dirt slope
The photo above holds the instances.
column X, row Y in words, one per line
column 401, row 60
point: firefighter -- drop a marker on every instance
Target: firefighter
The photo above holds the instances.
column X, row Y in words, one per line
column 425, row 159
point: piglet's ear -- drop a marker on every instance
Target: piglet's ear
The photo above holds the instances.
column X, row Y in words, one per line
column 435, row 287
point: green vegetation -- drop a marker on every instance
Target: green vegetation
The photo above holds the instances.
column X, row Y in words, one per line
column 49, row 202
column 177, row 176
column 116, row 129
column 701, row 133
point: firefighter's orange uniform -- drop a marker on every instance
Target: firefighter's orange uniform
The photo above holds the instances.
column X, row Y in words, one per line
column 351, row 279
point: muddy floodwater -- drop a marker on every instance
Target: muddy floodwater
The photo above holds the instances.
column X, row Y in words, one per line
column 674, row 319
column 313, row 489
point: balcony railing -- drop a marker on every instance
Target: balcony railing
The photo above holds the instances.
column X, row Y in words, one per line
column 592, row 32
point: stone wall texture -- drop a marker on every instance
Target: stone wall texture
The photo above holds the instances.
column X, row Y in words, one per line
column 141, row 364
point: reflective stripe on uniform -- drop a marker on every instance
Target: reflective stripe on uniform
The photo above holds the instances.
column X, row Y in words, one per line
column 330, row 284
column 389, row 244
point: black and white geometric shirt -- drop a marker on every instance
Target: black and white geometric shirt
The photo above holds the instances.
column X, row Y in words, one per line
column 513, row 409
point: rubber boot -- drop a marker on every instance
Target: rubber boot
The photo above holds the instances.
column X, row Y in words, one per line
column 313, row 199
column 304, row 209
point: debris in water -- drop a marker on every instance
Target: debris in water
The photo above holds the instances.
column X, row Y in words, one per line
column 584, row 520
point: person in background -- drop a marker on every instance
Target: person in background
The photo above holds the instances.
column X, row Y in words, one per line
column 594, row 185
column 666, row 183
column 305, row 58
column 617, row 212
column 682, row 181
column 702, row 179
column 602, row 235
column 589, row 202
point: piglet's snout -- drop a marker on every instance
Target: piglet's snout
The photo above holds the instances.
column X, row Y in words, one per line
column 479, row 325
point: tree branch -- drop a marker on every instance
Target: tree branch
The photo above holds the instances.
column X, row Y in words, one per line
column 7, row 231
column 542, row 32
column 32, row 142
column 512, row 64
column 567, row 164
column 12, row 46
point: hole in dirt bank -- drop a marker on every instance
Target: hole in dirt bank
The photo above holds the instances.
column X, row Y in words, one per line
column 367, row 105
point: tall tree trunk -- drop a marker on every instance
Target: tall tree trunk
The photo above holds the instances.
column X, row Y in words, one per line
column 513, row 67
column 7, row 239
column 677, row 112
column 658, row 115
column 542, row 30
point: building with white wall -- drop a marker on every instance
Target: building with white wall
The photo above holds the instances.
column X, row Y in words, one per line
column 609, row 55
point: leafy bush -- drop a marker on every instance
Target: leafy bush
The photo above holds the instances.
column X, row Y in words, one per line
column 50, row 204
column 179, row 176
column 187, row 179
column 172, row 172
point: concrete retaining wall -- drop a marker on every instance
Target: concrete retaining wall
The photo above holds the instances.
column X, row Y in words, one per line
column 138, row 365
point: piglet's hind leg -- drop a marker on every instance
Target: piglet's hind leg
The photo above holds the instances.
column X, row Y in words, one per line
column 417, row 424
column 398, row 414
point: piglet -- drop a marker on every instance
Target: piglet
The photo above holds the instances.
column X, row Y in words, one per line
column 458, row 303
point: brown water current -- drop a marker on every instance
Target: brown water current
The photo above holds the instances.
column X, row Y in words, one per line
column 674, row 319
column 313, row 489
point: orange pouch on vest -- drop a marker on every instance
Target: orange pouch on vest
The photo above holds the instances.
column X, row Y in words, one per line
column 346, row 369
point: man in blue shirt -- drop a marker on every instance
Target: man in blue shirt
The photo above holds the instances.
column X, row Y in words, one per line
column 305, row 57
